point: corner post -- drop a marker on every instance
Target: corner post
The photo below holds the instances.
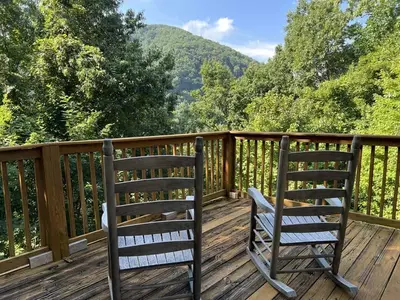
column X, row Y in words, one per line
column 54, row 201
column 229, row 156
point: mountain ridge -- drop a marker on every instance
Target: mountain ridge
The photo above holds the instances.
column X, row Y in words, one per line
column 190, row 51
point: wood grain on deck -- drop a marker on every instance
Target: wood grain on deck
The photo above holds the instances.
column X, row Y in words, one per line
column 370, row 260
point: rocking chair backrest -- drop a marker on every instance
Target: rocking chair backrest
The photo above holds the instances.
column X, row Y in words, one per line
column 153, row 185
column 329, row 194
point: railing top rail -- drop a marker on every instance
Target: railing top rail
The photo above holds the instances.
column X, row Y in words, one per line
column 67, row 147
column 336, row 138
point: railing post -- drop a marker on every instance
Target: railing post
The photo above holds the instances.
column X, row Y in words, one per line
column 54, row 199
column 229, row 155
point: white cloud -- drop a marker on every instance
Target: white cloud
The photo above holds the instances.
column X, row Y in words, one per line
column 258, row 50
column 222, row 28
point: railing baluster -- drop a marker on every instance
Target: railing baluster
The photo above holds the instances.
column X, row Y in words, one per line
column 305, row 164
column 335, row 182
column 217, row 167
column 255, row 165
column 297, row 164
column 93, row 182
column 144, row 175
column 370, row 179
column 271, row 166
column 206, row 166
column 326, row 164
column 25, row 207
column 315, row 165
column 383, row 190
column 160, row 171
column 248, row 166
column 357, row 183
column 396, row 185
column 182, row 170
column 41, row 208
column 241, row 167
column 7, row 206
column 134, row 176
column 71, row 214
column 212, row 166
column 262, row 166
column 152, row 175
column 176, row 195
column 169, row 172
column 82, row 193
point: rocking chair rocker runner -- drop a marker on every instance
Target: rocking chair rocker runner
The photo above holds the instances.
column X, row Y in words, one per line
column 157, row 244
column 304, row 225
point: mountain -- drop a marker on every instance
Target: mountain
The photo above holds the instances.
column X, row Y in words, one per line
column 190, row 51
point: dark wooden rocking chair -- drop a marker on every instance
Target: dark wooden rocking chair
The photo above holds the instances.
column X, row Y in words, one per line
column 304, row 225
column 155, row 244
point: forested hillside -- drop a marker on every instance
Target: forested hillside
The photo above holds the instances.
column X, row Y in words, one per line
column 190, row 52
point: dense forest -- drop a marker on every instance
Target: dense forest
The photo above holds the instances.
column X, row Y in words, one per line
column 72, row 70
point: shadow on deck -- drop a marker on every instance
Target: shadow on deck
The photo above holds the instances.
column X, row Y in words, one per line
column 370, row 260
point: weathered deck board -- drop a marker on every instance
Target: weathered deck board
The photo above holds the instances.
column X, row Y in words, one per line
column 371, row 259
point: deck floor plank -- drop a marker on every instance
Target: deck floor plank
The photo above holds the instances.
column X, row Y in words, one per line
column 227, row 272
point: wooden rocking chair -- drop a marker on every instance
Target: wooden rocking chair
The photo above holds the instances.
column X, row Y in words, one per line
column 304, row 225
column 155, row 244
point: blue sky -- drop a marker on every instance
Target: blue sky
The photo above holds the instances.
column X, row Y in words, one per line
column 253, row 27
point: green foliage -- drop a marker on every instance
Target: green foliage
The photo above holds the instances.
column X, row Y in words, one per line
column 71, row 70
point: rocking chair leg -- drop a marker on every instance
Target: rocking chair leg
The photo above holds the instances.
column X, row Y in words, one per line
column 350, row 288
column 264, row 270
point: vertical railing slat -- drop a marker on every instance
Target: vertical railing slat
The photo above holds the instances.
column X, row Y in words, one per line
column 326, row 164
column 271, row 166
column 255, row 165
column 8, row 211
column 357, row 183
column 396, row 185
column 152, row 175
column 212, row 166
column 297, row 164
column 95, row 198
column 335, row 182
column 70, row 199
column 206, row 166
column 25, row 207
column 305, row 165
column 40, row 201
column 134, row 176
column 144, row 176
column 315, row 164
column 248, row 166
column 82, row 193
column 262, row 166
column 241, row 167
column 383, row 189
column 160, row 171
column 217, row 171
column 370, row 179
column 169, row 170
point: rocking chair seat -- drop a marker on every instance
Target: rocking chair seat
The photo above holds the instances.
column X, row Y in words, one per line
column 295, row 238
column 183, row 257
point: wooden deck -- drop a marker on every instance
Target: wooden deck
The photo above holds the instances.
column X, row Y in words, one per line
column 370, row 260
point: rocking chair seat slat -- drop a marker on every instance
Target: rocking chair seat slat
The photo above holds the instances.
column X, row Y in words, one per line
column 289, row 238
column 150, row 261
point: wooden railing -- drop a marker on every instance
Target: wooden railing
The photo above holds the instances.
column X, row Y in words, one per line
column 52, row 193
column 376, row 190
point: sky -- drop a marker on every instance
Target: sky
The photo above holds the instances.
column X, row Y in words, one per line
column 252, row 27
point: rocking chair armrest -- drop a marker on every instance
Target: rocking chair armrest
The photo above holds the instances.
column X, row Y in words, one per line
column 104, row 220
column 331, row 201
column 260, row 200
